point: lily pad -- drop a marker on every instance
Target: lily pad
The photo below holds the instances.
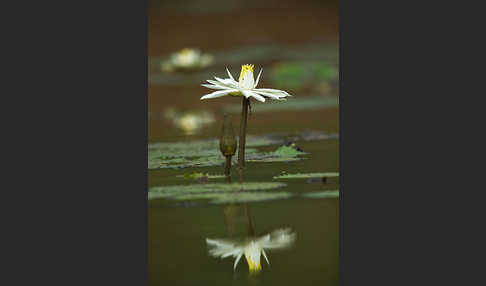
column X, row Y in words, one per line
column 322, row 195
column 241, row 197
column 307, row 175
column 282, row 154
column 205, row 153
column 169, row 191
column 197, row 175
column 220, row 193
column 291, row 104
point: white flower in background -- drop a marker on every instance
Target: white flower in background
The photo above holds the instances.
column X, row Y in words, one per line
column 187, row 59
column 245, row 86
column 252, row 248
column 190, row 122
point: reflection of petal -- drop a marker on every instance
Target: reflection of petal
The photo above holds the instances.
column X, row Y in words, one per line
column 281, row 238
column 265, row 255
column 237, row 260
column 252, row 249
column 223, row 248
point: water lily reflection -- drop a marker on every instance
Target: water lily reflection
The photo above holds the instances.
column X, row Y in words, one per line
column 251, row 248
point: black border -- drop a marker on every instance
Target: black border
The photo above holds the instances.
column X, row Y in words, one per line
column 79, row 207
column 79, row 203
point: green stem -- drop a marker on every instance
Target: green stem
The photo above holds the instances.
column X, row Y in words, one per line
column 241, row 150
column 251, row 226
column 227, row 169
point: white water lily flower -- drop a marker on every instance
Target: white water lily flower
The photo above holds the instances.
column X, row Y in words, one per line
column 187, row 59
column 245, row 86
column 252, row 249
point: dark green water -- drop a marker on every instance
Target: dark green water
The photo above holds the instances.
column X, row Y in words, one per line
column 178, row 254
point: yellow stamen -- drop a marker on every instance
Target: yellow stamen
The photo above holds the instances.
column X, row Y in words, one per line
column 245, row 69
column 253, row 266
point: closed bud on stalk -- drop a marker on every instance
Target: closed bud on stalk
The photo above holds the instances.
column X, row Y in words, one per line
column 227, row 141
column 227, row 144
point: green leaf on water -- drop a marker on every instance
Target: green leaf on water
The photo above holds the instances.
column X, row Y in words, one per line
column 220, row 193
column 282, row 154
column 250, row 197
column 216, row 187
column 307, row 175
column 205, row 153
column 237, row 197
column 287, row 151
column 197, row 175
column 322, row 195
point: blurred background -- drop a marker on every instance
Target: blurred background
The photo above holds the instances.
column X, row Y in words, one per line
column 296, row 44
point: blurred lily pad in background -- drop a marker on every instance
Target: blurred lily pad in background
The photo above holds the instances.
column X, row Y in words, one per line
column 323, row 55
column 294, row 75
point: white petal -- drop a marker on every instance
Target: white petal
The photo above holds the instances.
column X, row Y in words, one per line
column 258, row 77
column 272, row 90
column 237, row 260
column 224, row 80
column 212, row 86
column 219, row 83
column 218, row 93
column 227, row 82
column 248, row 93
column 273, row 96
column 213, row 82
column 230, row 74
column 265, row 255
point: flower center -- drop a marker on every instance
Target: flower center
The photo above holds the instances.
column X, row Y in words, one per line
column 252, row 255
column 246, row 80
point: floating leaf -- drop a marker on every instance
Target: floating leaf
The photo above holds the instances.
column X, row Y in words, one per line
column 287, row 151
column 250, row 197
column 205, row 153
column 220, row 193
column 211, row 188
column 197, row 175
column 282, row 154
column 307, row 175
column 322, row 195
column 237, row 197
